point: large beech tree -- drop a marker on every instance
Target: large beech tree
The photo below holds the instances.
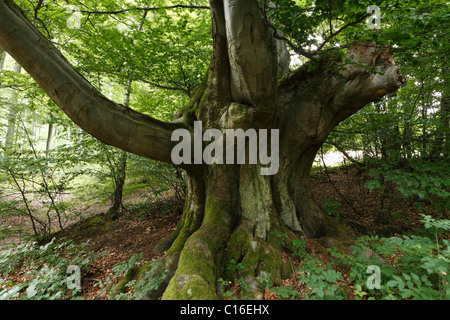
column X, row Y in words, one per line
column 231, row 210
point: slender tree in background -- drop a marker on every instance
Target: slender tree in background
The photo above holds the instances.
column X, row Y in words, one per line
column 231, row 210
column 12, row 115
column 119, row 177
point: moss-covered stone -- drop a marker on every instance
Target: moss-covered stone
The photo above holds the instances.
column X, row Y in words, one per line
column 337, row 236
column 288, row 269
column 93, row 222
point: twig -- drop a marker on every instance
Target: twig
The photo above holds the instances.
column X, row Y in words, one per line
column 332, row 35
column 44, row 180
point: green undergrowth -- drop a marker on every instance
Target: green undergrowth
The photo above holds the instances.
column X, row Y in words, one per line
column 136, row 279
column 409, row 267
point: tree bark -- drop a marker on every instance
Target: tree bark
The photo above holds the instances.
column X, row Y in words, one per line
column 232, row 212
column 2, row 59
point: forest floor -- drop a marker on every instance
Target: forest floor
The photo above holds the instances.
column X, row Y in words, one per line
column 340, row 192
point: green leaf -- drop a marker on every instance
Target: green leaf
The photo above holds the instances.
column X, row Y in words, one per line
column 392, row 283
column 31, row 291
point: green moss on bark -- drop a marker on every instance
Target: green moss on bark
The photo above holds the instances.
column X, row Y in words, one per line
column 189, row 287
column 252, row 257
column 189, row 111
column 189, row 222
column 200, row 258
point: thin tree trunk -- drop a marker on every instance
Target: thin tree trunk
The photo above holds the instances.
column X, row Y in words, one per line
column 441, row 145
column 49, row 139
column 9, row 140
column 116, row 208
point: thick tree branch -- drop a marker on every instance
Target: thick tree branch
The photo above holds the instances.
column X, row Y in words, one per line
column 109, row 122
column 253, row 67
column 312, row 103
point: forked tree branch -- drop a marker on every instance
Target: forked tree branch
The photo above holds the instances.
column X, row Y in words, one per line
column 312, row 103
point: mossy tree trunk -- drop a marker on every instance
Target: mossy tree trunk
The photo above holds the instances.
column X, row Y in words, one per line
column 232, row 211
